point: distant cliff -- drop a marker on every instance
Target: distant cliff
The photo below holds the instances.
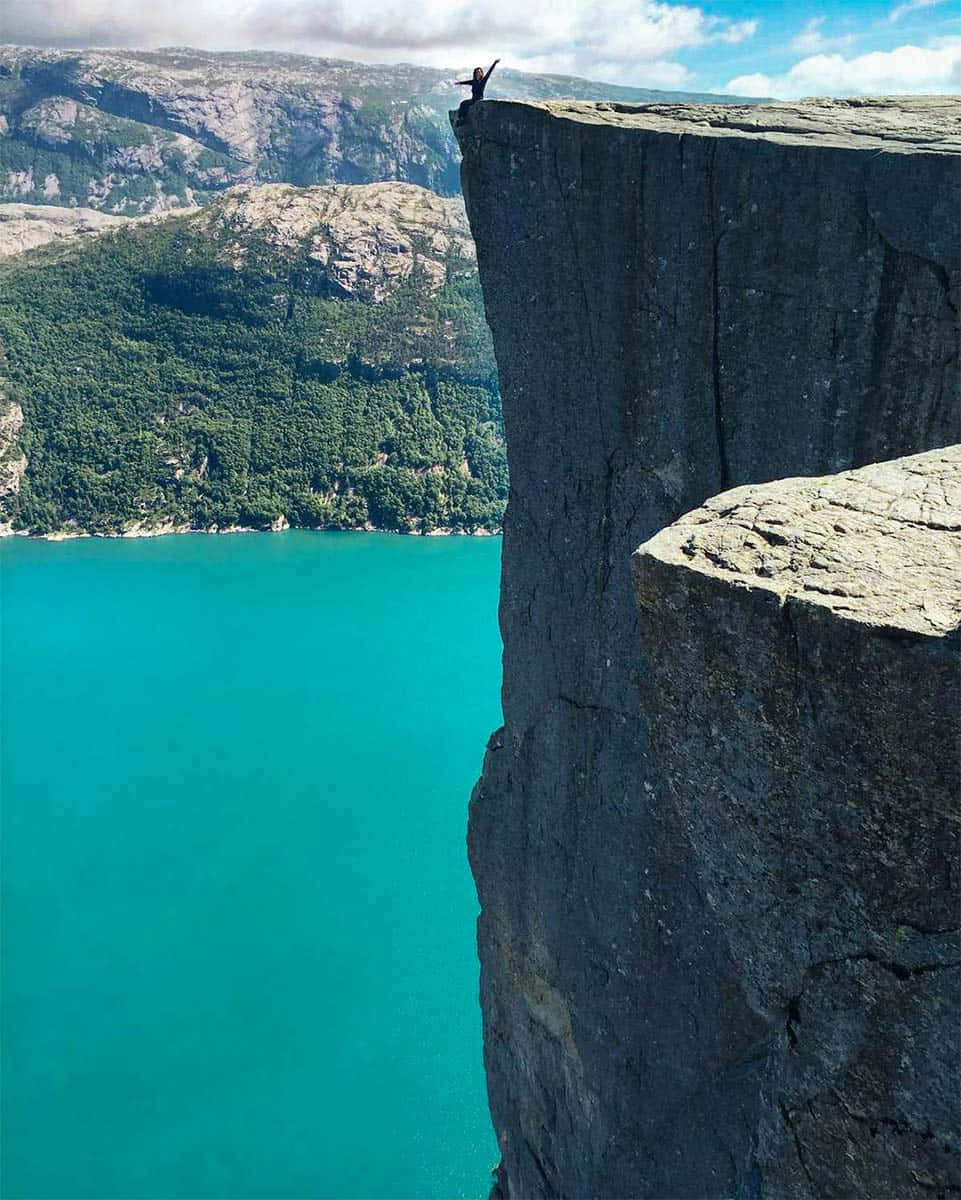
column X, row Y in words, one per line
column 684, row 300
column 129, row 131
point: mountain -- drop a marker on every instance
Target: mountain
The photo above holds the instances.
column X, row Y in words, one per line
column 314, row 356
column 129, row 132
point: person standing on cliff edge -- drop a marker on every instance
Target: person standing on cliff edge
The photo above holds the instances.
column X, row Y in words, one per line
column 477, row 83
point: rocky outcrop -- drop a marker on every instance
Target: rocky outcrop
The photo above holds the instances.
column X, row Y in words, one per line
column 804, row 687
column 132, row 131
column 364, row 239
column 370, row 237
column 683, row 300
column 27, row 226
column 128, row 162
column 878, row 546
column 13, row 462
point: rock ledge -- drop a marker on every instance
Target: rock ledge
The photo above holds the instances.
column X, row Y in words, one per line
column 892, row 123
column 880, row 545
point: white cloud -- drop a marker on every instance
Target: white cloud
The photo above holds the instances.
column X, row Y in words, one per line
column 906, row 70
column 811, row 39
column 737, row 31
column 618, row 40
column 910, row 6
column 751, row 85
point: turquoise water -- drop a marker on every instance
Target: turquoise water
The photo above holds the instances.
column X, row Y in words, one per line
column 238, row 940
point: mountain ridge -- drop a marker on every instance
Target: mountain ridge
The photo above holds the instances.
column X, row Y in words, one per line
column 133, row 131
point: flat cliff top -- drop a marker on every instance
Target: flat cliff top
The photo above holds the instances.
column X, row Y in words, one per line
column 931, row 124
column 880, row 545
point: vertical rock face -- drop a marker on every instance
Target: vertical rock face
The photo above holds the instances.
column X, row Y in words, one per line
column 682, row 300
column 804, row 692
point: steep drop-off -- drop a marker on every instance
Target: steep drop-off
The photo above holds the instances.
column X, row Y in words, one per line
column 683, row 299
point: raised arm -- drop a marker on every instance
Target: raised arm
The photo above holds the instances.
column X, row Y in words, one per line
column 490, row 69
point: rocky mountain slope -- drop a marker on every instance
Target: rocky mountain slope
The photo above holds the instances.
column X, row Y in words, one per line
column 27, row 226
column 308, row 356
column 13, row 462
column 364, row 239
column 684, row 301
column 133, row 131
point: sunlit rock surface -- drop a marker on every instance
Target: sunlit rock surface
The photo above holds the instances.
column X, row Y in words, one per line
column 374, row 235
column 804, row 690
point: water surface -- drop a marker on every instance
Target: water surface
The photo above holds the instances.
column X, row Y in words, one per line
column 238, row 942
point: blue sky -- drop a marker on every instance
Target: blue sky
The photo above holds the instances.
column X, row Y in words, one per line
column 759, row 47
column 846, row 45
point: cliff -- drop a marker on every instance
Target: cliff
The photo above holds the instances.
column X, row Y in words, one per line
column 130, row 131
column 682, row 300
column 804, row 691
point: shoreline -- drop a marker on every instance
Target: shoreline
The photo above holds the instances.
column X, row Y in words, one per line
column 69, row 535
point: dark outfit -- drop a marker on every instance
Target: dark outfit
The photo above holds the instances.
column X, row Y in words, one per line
column 476, row 93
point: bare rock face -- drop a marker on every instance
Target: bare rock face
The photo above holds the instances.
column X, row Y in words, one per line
column 683, row 300
column 364, row 237
column 27, row 226
column 373, row 236
column 928, row 122
column 880, row 545
column 133, row 131
column 804, row 687
column 126, row 150
column 13, row 462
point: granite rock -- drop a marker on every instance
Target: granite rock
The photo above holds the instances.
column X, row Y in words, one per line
column 682, row 301
column 366, row 236
column 804, row 687
column 26, row 226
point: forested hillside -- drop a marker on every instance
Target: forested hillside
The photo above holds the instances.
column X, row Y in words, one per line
column 315, row 356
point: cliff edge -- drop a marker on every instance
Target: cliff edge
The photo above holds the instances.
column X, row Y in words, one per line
column 683, row 300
